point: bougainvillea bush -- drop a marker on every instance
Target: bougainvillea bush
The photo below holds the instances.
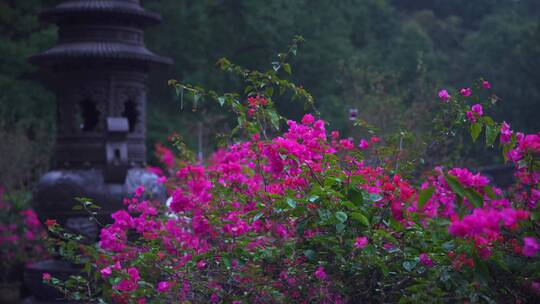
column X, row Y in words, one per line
column 21, row 236
column 305, row 216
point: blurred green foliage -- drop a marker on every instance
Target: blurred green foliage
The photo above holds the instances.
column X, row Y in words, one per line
column 388, row 58
column 27, row 109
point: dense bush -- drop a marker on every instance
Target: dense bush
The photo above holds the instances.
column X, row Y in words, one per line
column 307, row 216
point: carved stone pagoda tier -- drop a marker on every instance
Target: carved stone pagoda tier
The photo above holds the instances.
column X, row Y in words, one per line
column 98, row 70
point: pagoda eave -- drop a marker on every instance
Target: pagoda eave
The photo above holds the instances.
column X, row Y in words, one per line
column 99, row 8
column 105, row 51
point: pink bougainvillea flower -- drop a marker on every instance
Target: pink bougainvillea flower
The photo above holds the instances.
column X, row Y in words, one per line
column 465, row 92
column 506, row 133
column 201, row 264
column 163, row 286
column 535, row 286
column 122, row 219
column 46, row 277
column 308, row 119
column 139, row 191
column 444, row 96
column 475, row 113
column 346, row 144
column 470, row 116
column 486, row 84
column 320, row 273
column 361, row 242
column 134, row 274
column 426, row 260
column 319, row 125
column 375, row 139
column 388, row 246
column 477, row 108
column 514, row 155
column 530, row 246
column 364, row 144
column 166, row 156
column 106, row 272
column 530, row 143
column 126, row 285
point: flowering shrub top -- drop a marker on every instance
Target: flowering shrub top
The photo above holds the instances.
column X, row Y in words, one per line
column 306, row 216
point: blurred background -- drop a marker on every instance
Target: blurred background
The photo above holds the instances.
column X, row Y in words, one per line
column 385, row 58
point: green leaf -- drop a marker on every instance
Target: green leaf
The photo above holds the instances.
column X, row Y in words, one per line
column 372, row 197
column 324, row 214
column 476, row 129
column 424, row 196
column 394, row 224
column 196, row 97
column 269, row 91
column 258, row 216
column 349, row 205
column 356, row 195
column 226, row 262
column 474, row 198
column 221, row 100
column 456, row 186
column 274, row 119
column 490, row 193
column 310, row 254
column 340, row 227
column 291, row 203
column 341, row 216
column 178, row 90
column 409, row 265
column 491, row 134
column 506, row 149
column 481, row 271
column 313, row 198
column 360, row 218
column 287, row 68
column 358, row 179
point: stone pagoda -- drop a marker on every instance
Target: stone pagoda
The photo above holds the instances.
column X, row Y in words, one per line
column 98, row 70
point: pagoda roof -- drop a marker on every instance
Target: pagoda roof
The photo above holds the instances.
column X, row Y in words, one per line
column 77, row 8
column 76, row 51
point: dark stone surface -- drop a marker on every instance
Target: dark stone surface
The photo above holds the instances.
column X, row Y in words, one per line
column 57, row 191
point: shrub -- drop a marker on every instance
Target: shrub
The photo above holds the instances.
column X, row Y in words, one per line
column 21, row 235
column 307, row 216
